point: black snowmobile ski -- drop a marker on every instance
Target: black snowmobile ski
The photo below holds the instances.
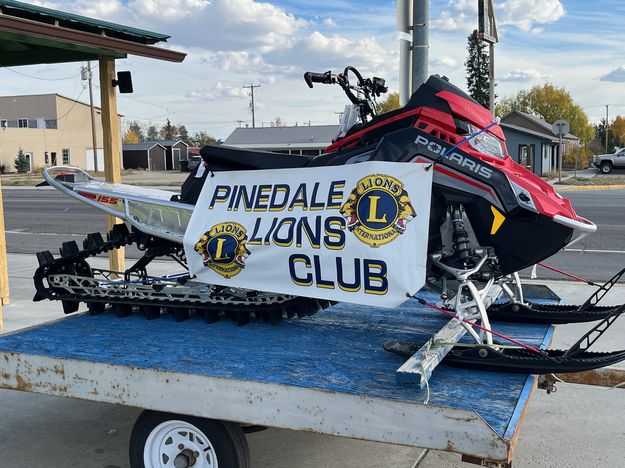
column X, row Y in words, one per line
column 524, row 361
column 532, row 312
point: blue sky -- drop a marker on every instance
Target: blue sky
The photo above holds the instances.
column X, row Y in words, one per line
column 572, row 43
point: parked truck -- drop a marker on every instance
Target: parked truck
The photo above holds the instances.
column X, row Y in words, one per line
column 607, row 162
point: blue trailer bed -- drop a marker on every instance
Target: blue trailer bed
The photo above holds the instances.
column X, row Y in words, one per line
column 327, row 373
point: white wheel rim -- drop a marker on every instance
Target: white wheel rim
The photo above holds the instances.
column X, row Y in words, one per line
column 178, row 444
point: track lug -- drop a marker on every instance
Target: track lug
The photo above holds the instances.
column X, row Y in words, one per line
column 93, row 241
column 122, row 310
column 70, row 306
column 69, row 249
column 242, row 317
column 180, row 314
column 96, row 308
column 44, row 257
column 151, row 312
column 211, row 316
column 275, row 316
column 118, row 232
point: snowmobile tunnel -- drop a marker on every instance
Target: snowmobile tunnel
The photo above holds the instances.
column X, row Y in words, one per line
column 328, row 374
column 31, row 34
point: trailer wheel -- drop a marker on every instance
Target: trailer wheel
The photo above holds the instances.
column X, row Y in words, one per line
column 166, row 440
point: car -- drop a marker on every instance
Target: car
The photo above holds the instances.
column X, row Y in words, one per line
column 607, row 162
column 194, row 161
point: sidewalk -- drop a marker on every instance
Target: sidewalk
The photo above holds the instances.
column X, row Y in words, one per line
column 575, row 427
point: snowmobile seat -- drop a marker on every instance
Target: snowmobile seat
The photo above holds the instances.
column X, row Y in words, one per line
column 224, row 158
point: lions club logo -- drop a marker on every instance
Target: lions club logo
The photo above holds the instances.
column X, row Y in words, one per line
column 223, row 248
column 378, row 209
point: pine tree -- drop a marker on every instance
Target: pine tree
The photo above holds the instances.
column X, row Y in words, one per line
column 136, row 128
column 477, row 66
column 183, row 134
column 21, row 163
column 152, row 133
column 169, row 131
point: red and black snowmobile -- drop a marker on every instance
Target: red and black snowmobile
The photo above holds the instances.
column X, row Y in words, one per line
column 490, row 218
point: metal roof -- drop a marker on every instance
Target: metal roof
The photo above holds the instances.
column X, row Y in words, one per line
column 542, row 136
column 321, row 134
column 166, row 142
column 143, row 146
column 542, row 123
column 82, row 23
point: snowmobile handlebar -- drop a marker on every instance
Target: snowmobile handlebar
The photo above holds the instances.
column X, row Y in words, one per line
column 365, row 89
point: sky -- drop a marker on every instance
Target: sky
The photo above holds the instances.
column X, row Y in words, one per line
column 577, row 44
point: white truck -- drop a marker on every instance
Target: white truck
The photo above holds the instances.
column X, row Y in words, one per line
column 606, row 162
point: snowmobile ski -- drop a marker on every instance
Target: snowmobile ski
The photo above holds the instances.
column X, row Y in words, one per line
column 499, row 358
column 520, row 311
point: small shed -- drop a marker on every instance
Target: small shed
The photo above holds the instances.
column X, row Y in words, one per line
column 147, row 155
column 176, row 151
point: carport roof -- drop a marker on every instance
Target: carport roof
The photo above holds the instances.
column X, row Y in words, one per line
column 30, row 34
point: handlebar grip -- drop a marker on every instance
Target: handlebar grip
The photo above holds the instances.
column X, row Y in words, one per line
column 311, row 77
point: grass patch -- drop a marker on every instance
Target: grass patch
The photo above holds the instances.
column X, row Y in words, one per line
column 594, row 181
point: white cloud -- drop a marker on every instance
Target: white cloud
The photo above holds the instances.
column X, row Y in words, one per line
column 617, row 75
column 330, row 23
column 521, row 14
column 216, row 92
column 445, row 61
column 525, row 14
column 524, row 76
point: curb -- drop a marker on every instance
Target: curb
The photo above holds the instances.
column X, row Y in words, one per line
column 576, row 188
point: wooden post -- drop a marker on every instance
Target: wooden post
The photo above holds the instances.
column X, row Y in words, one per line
column 112, row 144
column 4, row 272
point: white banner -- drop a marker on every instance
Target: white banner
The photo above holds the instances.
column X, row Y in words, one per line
column 354, row 233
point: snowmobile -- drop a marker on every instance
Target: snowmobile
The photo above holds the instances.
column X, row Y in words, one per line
column 490, row 218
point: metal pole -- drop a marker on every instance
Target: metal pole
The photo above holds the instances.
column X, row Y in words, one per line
column 607, row 127
column 252, row 108
column 420, row 42
column 491, row 77
column 404, row 25
column 560, row 156
column 93, row 136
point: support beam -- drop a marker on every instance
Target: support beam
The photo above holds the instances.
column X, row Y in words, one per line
column 4, row 274
column 112, row 144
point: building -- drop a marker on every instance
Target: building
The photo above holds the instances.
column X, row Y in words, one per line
column 532, row 143
column 308, row 140
column 176, row 150
column 149, row 155
column 51, row 129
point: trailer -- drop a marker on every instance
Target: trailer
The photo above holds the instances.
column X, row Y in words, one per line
column 203, row 386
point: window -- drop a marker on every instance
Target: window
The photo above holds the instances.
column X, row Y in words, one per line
column 4, row 123
column 65, row 157
column 46, row 158
column 22, row 123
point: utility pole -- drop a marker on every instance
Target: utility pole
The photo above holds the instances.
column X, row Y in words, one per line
column 240, row 122
column 607, row 126
column 87, row 75
column 487, row 32
column 420, row 42
column 252, row 108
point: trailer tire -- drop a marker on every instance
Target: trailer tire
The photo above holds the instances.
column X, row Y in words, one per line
column 200, row 442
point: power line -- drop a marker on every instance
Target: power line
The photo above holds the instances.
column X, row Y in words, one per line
column 251, row 88
column 39, row 78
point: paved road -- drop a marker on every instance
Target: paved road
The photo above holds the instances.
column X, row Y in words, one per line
column 40, row 219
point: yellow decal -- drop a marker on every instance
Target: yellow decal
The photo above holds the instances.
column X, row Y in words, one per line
column 498, row 220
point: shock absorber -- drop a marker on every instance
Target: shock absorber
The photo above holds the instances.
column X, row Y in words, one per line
column 463, row 252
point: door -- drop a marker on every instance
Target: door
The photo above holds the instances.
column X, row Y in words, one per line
column 527, row 156
column 53, row 158
column 176, row 152
column 619, row 158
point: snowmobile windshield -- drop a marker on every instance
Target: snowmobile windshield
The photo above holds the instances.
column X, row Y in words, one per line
column 486, row 143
